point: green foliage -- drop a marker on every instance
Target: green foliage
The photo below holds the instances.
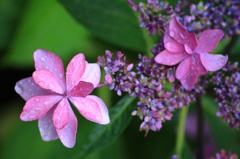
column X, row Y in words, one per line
column 45, row 24
column 112, row 21
column 225, row 137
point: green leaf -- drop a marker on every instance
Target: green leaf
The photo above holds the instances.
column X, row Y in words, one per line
column 45, row 24
column 103, row 135
column 225, row 137
column 112, row 21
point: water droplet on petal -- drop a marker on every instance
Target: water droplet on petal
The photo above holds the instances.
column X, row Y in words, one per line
column 171, row 33
column 183, row 36
column 60, row 75
column 51, row 86
column 97, row 74
column 43, row 59
column 18, row 89
column 40, row 83
column 46, row 103
column 37, row 100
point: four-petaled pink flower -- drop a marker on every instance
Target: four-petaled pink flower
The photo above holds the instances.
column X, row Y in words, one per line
column 182, row 46
column 47, row 93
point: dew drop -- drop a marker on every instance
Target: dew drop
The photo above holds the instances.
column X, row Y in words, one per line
column 51, row 86
column 18, row 89
column 171, row 33
column 37, row 100
column 46, row 103
column 97, row 74
column 183, row 36
column 43, row 59
column 40, row 83
column 60, row 75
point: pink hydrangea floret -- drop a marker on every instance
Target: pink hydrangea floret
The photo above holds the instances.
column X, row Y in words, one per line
column 47, row 93
column 192, row 53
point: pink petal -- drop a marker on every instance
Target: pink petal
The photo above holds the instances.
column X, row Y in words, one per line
column 208, row 40
column 60, row 115
column 92, row 74
column 180, row 34
column 38, row 106
column 27, row 89
column 81, row 90
column 174, row 47
column 67, row 135
column 200, row 68
column 190, row 80
column 187, row 72
column 46, row 127
column 75, row 70
column 45, row 79
column 45, row 60
column 213, row 62
column 168, row 58
column 92, row 108
column 184, row 68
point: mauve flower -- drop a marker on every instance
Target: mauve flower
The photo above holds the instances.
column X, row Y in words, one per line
column 182, row 46
column 47, row 93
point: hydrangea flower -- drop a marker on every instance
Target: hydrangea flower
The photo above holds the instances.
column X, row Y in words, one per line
column 192, row 53
column 47, row 93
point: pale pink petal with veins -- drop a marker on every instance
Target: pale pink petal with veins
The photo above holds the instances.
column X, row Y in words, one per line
column 67, row 135
column 92, row 74
column 46, row 127
column 38, row 106
column 45, row 79
column 75, row 70
column 213, row 62
column 61, row 115
column 27, row 89
column 45, row 60
column 92, row 108
column 209, row 40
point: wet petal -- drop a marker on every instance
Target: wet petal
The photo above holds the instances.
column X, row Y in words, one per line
column 208, row 40
column 27, row 89
column 200, row 68
column 190, row 80
column 213, row 62
column 92, row 108
column 92, row 74
column 67, row 135
column 81, row 90
column 38, row 106
column 75, row 70
column 45, row 79
column 45, row 60
column 180, row 34
column 174, row 47
column 168, row 58
column 45, row 124
column 184, row 68
column 60, row 115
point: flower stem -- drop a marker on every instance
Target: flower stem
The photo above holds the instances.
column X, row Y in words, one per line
column 181, row 131
column 200, row 127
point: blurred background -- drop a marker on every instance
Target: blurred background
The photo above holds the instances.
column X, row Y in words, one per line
column 29, row 25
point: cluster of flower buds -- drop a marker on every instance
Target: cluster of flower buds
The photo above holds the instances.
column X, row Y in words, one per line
column 154, row 84
column 217, row 14
column 228, row 94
